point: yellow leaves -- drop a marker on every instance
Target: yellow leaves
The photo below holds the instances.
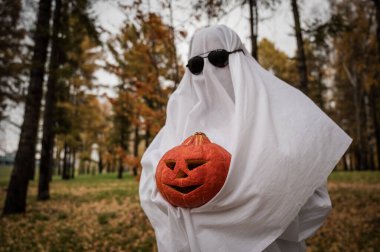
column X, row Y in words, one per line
column 277, row 61
column 356, row 46
column 86, row 43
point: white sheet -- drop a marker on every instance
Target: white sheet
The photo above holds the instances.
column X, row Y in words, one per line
column 283, row 149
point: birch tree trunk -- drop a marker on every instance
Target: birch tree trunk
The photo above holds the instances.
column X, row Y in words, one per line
column 46, row 163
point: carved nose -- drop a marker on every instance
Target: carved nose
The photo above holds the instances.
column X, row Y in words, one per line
column 181, row 174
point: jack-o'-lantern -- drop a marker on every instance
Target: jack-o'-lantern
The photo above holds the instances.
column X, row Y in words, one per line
column 191, row 174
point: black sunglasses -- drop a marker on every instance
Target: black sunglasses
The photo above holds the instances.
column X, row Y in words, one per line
column 218, row 58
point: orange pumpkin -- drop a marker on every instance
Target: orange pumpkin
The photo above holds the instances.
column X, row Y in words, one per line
column 191, row 174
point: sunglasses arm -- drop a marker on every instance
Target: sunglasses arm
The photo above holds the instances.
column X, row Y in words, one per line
column 237, row 50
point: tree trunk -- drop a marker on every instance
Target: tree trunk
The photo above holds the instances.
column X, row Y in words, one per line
column 100, row 164
column 359, row 148
column 377, row 6
column 136, row 149
column 51, row 171
column 58, row 161
column 81, row 167
column 350, row 161
column 372, row 101
column 123, row 144
column 108, row 167
column 114, row 163
column 301, row 58
column 25, row 157
column 65, row 170
column 93, row 168
column 371, row 158
column 121, row 169
column 73, row 163
column 365, row 120
column 46, row 162
column 353, row 160
column 320, row 90
column 59, row 168
column 147, row 136
column 254, row 22
column 174, row 49
column 88, row 165
column 377, row 77
column 345, row 165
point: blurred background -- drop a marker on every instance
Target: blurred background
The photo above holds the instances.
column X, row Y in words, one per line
column 83, row 91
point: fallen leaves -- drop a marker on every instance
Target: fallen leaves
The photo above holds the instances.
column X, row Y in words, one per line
column 81, row 217
column 354, row 223
column 102, row 213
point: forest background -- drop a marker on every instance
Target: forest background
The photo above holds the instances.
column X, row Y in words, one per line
column 86, row 99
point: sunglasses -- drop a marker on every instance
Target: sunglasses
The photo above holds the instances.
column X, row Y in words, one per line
column 218, row 58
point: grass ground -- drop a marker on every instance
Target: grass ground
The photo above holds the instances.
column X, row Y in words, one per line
column 89, row 213
column 354, row 223
column 101, row 213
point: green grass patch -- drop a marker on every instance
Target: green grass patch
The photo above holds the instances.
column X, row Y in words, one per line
column 366, row 177
column 5, row 174
column 68, row 240
column 104, row 218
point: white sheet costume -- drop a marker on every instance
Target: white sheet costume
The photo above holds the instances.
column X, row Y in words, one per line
column 283, row 148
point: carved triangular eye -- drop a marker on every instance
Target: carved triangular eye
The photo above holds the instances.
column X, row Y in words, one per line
column 194, row 163
column 170, row 163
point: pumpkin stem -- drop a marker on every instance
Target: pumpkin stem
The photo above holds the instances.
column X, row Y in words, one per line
column 198, row 138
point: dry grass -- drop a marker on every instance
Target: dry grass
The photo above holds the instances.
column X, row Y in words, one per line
column 101, row 213
column 354, row 223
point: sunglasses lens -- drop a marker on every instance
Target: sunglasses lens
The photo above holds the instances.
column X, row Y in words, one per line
column 218, row 58
column 195, row 65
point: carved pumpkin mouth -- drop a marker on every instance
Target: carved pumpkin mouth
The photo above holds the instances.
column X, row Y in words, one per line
column 185, row 189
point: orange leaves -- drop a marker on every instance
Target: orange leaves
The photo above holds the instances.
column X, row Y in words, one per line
column 127, row 159
column 120, row 152
column 132, row 161
column 143, row 62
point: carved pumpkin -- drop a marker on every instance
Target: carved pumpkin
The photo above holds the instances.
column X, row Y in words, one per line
column 191, row 174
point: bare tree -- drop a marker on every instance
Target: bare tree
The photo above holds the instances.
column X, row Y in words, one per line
column 254, row 22
column 301, row 59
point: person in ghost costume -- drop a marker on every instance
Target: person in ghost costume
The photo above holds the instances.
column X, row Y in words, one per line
column 282, row 146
